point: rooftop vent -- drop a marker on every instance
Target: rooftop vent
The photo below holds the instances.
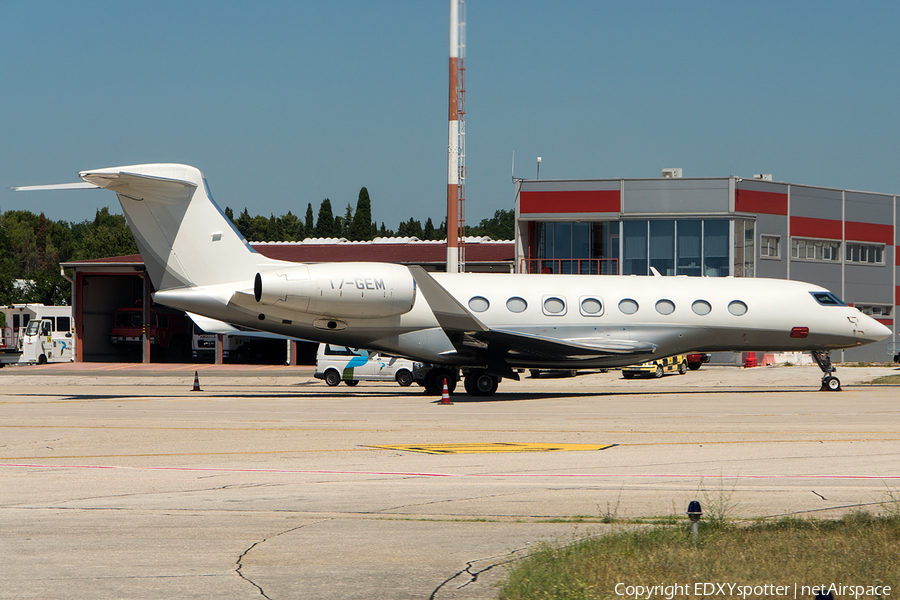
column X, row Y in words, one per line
column 671, row 173
column 763, row 176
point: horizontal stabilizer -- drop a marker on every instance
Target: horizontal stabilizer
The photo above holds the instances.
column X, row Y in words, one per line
column 81, row 185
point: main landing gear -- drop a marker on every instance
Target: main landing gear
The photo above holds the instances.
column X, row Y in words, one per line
column 830, row 383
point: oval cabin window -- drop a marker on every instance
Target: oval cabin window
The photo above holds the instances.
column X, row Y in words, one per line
column 479, row 304
column 516, row 304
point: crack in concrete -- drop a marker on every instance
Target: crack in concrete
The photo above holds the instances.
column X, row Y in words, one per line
column 473, row 575
column 443, row 501
column 239, row 561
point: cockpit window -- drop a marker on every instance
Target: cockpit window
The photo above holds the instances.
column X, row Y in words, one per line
column 827, row 299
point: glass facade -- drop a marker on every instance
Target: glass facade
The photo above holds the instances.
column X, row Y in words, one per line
column 577, row 247
column 677, row 247
column 695, row 247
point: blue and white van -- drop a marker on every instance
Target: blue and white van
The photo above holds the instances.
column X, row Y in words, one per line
column 335, row 364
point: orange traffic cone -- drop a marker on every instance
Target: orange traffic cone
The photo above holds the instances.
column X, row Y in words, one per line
column 196, row 387
column 445, row 395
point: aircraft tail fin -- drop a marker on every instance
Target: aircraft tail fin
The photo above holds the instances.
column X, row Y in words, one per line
column 183, row 236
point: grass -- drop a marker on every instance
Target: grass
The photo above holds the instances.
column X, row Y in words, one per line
column 860, row 550
column 886, row 380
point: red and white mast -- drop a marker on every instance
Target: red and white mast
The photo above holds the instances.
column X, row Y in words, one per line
column 455, row 148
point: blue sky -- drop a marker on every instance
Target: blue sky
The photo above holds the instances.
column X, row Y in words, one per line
column 285, row 103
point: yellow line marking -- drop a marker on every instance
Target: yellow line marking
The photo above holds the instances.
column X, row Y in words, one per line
column 486, row 448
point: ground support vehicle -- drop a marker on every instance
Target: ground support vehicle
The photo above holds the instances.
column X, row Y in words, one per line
column 37, row 334
column 169, row 331
column 696, row 359
column 657, row 368
column 335, row 364
column 237, row 347
column 894, row 351
column 9, row 350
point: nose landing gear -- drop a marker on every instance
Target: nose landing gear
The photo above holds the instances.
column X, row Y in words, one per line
column 830, row 383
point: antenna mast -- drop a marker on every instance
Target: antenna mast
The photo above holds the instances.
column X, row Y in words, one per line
column 456, row 168
column 461, row 95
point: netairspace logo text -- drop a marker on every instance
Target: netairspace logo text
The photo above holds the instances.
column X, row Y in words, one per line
column 737, row 590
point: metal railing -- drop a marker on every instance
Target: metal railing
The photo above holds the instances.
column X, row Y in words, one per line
column 571, row 266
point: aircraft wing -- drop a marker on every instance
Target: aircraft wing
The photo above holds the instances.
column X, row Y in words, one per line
column 472, row 338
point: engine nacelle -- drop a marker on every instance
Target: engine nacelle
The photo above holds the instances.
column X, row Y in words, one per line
column 360, row 290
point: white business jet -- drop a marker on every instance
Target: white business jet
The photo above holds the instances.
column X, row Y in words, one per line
column 487, row 324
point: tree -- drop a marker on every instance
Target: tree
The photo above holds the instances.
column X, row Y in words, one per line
column 292, row 228
column 361, row 228
column 428, row 232
column 325, row 220
column 309, row 226
column 109, row 236
column 346, row 222
column 411, row 228
column 244, row 224
column 502, row 226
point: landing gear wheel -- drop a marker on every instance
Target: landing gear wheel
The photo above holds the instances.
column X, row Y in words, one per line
column 332, row 377
column 682, row 368
column 479, row 383
column 434, row 382
column 659, row 371
column 831, row 384
column 352, row 382
column 404, row 377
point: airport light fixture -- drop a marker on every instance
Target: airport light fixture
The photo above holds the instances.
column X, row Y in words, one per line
column 695, row 512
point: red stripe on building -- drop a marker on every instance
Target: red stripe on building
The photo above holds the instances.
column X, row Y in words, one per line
column 587, row 201
column 886, row 322
column 815, row 228
column 769, row 203
column 869, row 232
column 897, row 296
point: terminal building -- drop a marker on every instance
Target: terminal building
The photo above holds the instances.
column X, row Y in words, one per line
column 843, row 240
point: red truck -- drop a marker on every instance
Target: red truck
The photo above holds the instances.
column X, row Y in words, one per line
column 170, row 332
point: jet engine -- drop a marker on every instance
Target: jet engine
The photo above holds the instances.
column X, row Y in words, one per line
column 357, row 290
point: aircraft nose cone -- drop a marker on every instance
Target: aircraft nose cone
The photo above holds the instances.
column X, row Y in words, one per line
column 873, row 331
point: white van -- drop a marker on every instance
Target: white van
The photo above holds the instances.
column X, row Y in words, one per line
column 41, row 333
column 350, row 365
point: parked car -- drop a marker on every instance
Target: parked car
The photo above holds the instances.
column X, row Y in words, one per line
column 695, row 359
column 351, row 365
column 657, row 368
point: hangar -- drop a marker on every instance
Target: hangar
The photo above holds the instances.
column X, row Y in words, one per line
column 843, row 240
column 103, row 286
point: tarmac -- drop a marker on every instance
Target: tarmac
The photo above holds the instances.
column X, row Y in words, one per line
column 119, row 481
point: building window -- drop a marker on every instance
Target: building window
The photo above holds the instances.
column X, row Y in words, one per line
column 677, row 247
column 589, row 248
column 877, row 311
column 770, row 246
column 871, row 254
column 819, row 250
column 744, row 255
